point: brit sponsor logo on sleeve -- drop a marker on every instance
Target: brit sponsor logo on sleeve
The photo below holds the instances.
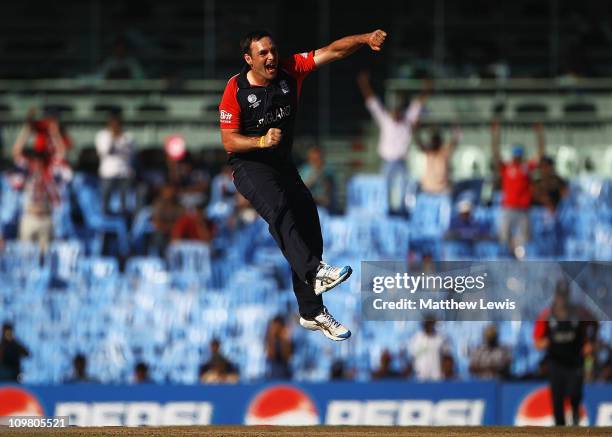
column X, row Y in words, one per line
column 225, row 117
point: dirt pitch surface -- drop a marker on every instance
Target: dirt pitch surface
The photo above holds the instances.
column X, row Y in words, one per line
column 314, row 431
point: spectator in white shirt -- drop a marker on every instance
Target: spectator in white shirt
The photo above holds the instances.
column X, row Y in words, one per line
column 115, row 148
column 394, row 139
column 428, row 348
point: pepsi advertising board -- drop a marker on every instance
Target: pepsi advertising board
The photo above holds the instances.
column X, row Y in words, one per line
column 531, row 405
column 382, row 403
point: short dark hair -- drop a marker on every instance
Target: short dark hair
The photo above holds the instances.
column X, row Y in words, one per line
column 254, row 35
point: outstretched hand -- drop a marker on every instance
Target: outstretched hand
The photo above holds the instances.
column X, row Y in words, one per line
column 376, row 39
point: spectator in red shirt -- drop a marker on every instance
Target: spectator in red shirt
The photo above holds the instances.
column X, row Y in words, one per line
column 516, row 189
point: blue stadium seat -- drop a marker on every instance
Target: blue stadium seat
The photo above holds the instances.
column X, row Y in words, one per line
column 430, row 216
column 142, row 228
column 62, row 262
column 96, row 221
column 190, row 261
column 367, row 192
column 20, row 261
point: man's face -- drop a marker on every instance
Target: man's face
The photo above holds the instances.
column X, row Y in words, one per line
column 263, row 58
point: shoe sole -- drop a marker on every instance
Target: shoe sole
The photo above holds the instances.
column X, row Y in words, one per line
column 338, row 281
column 325, row 331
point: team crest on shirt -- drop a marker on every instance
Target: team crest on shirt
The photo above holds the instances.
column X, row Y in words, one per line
column 252, row 99
column 284, row 86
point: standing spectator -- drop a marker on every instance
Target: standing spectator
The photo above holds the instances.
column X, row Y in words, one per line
column 319, row 179
column 218, row 369
column 565, row 331
column 548, row 188
column 436, row 176
column 40, row 197
column 428, row 348
column 385, row 370
column 490, row 360
column 115, row 148
column 166, row 211
column 79, row 370
column 516, row 189
column 49, row 136
column 141, row 374
column 11, row 353
column 394, row 139
column 50, row 140
column 279, row 349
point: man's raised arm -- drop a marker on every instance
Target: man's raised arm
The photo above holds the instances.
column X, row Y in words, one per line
column 234, row 142
column 346, row 46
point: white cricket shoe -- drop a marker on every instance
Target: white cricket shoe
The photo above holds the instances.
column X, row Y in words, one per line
column 326, row 323
column 328, row 277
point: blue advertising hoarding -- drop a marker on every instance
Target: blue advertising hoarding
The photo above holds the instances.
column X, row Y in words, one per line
column 341, row 403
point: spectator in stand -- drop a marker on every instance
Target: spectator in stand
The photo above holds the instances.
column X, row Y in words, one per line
column 279, row 349
column 548, row 188
column 141, row 374
column 49, row 140
column 448, row 368
column 464, row 227
column 565, row 331
column 339, row 372
column 120, row 65
column 115, row 148
column 385, row 370
column 436, row 176
column 516, row 189
column 41, row 195
column 319, row 179
column 193, row 225
column 394, row 138
column 49, row 135
column 166, row 211
column 79, row 370
column 427, row 348
column 218, row 369
column 11, row 353
column 191, row 181
column 490, row 360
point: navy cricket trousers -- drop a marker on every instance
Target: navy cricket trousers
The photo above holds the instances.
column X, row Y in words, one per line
column 279, row 195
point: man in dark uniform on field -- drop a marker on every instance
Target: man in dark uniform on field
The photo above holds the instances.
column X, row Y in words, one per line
column 564, row 331
column 257, row 119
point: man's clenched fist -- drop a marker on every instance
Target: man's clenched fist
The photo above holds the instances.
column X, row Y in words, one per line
column 273, row 137
column 376, row 39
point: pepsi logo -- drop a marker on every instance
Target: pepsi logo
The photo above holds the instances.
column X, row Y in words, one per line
column 282, row 405
column 15, row 401
column 536, row 410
